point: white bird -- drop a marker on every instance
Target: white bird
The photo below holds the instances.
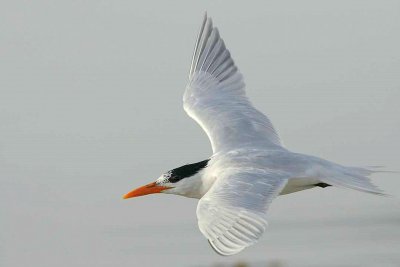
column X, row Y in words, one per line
column 249, row 166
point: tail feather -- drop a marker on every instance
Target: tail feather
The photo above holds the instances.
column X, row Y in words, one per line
column 354, row 178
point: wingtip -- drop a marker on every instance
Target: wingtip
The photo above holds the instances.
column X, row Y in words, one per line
column 207, row 18
column 223, row 253
column 382, row 193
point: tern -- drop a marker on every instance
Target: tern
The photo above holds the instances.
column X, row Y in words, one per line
column 249, row 166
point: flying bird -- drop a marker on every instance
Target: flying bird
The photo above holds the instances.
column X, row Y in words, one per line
column 250, row 166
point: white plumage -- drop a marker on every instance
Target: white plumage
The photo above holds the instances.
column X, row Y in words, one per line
column 216, row 99
column 250, row 166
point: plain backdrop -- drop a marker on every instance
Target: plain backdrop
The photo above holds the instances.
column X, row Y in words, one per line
column 91, row 107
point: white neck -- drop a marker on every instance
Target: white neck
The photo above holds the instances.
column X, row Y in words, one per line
column 194, row 186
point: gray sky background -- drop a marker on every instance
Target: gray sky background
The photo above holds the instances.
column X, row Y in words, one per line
column 91, row 107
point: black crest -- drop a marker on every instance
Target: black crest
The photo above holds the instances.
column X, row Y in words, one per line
column 186, row 171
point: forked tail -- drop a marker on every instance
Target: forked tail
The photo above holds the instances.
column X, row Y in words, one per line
column 354, row 178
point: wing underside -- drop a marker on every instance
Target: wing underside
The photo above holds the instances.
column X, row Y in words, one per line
column 215, row 97
column 232, row 214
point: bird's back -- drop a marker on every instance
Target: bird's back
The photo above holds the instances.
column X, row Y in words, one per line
column 303, row 171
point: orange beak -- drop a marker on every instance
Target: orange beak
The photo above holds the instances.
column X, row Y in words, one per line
column 151, row 188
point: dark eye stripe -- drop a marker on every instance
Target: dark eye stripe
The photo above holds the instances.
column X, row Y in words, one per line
column 187, row 171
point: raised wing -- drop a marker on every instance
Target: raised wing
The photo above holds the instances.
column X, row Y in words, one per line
column 216, row 99
column 232, row 214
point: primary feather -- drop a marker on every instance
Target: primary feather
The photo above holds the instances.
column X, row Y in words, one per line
column 250, row 166
column 215, row 94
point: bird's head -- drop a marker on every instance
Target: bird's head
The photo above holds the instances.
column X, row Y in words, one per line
column 184, row 180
